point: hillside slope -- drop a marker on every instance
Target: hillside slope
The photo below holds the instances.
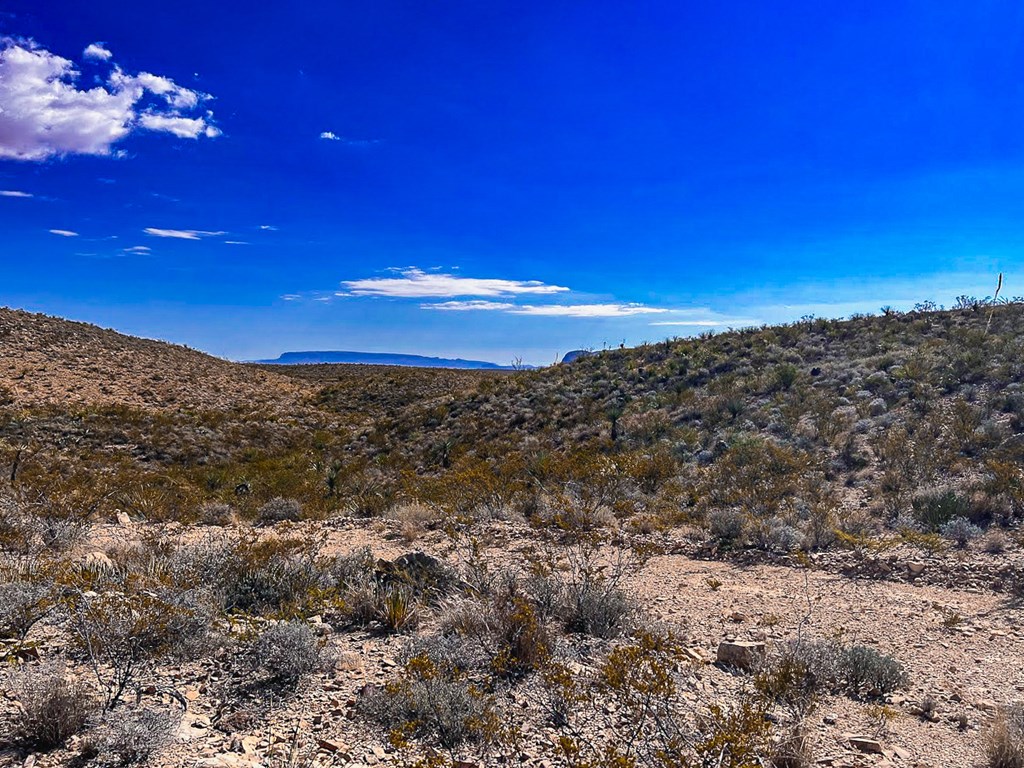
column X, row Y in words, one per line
column 50, row 361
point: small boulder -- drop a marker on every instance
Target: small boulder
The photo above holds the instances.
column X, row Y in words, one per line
column 740, row 654
column 915, row 569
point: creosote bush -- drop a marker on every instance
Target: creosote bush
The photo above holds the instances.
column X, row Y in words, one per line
column 122, row 635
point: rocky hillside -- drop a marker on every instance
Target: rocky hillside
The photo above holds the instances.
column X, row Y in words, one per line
column 50, row 361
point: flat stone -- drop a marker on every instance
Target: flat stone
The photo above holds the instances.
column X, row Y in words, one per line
column 866, row 744
column 740, row 654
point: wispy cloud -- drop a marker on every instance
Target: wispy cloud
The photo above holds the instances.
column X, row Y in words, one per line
column 588, row 310
column 332, row 136
column 415, row 283
column 181, row 234
column 476, row 305
column 268, row 228
column 235, row 242
column 14, row 193
column 612, row 309
column 44, row 114
column 704, row 318
column 141, row 250
column 63, row 232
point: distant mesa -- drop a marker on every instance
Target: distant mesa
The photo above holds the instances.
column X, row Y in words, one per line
column 381, row 358
column 576, row 354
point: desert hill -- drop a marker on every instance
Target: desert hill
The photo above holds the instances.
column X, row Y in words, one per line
column 786, row 546
column 51, row 361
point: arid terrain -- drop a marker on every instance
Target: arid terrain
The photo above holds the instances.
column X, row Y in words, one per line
column 787, row 546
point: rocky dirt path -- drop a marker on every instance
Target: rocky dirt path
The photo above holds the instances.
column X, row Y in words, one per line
column 964, row 650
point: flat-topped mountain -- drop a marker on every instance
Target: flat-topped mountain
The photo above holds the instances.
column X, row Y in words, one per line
column 379, row 358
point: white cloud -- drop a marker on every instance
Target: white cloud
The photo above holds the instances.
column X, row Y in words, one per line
column 97, row 52
column 63, row 232
column 268, row 228
column 43, row 113
column 182, row 127
column 548, row 310
column 587, row 310
column 181, row 234
column 235, row 242
column 470, row 306
column 13, row 193
column 415, row 283
column 142, row 250
column 330, row 136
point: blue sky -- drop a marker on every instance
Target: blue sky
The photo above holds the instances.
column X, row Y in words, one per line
column 498, row 180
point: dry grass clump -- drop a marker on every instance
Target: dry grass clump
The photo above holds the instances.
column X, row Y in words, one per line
column 1004, row 740
column 53, row 707
column 131, row 736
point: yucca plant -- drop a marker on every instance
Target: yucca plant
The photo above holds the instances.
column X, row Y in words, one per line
column 398, row 610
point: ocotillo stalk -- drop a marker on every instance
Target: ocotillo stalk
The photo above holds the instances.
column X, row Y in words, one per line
column 995, row 297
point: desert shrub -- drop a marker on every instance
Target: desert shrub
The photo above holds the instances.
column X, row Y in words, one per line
column 285, row 652
column 215, row 513
column 960, row 530
column 277, row 576
column 727, row 526
column 524, row 643
column 359, row 593
column 797, row 673
column 1004, row 739
column 279, row 510
column 453, row 647
column 123, row 634
column 593, row 602
column 53, row 707
column 774, row 535
column 650, row 726
column 22, row 604
column 502, row 632
column 995, row 542
column 132, row 736
column 790, row 678
column 867, row 671
column 389, row 592
column 933, row 509
column 427, row 577
column 433, row 703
